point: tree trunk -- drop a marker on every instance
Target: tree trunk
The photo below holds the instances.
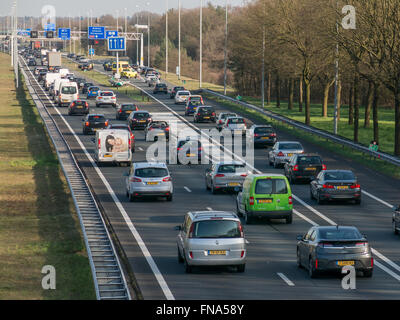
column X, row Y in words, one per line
column 339, row 96
column 375, row 112
column 368, row 106
column 325, row 100
column 351, row 115
column 301, row 94
column 278, row 91
column 269, row 88
column 291, row 93
column 308, row 97
column 397, row 123
column 356, row 106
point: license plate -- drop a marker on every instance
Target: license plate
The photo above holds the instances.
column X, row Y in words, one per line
column 217, row 252
column 79, row 107
column 290, row 154
column 264, row 201
column 311, row 169
column 345, row 263
column 152, row 183
column 233, row 184
column 264, row 138
column 161, row 134
column 128, row 112
column 142, row 121
column 206, row 117
column 238, row 131
column 191, row 155
column 107, row 155
column 342, row 187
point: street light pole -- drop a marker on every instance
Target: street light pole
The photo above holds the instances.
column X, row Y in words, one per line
column 137, row 31
column 126, row 25
column 201, row 43
column 166, row 41
column 226, row 43
column 335, row 117
column 179, row 40
column 148, row 37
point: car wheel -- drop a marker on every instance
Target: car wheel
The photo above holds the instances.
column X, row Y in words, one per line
column 188, row 269
column 180, row 259
column 131, row 197
column 289, row 219
column 241, row 267
column 395, row 231
column 311, row 194
column 298, row 260
column 169, row 198
column 269, row 160
column 127, row 193
column 207, row 186
column 213, row 190
column 275, row 165
column 357, row 201
column 247, row 219
column 367, row 273
column 237, row 209
column 311, row 271
column 319, row 200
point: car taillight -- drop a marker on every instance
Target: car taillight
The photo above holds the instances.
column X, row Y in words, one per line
column 87, row 123
column 219, row 175
column 113, row 98
column 323, row 167
column 290, row 200
column 72, row 104
column 240, row 227
column 272, row 135
column 135, row 180
column 280, row 154
column 361, row 244
column 200, row 149
column 220, row 121
column 99, row 143
column 213, row 114
column 328, row 186
column 132, row 136
column 191, row 254
column 316, row 263
column 191, row 230
column 87, row 105
column 251, row 201
column 242, row 253
column 120, row 111
column 325, row 245
column 130, row 142
column 372, row 262
column 99, row 98
column 355, row 186
column 244, row 175
column 106, row 123
column 198, row 113
column 296, row 168
column 256, row 135
column 167, row 179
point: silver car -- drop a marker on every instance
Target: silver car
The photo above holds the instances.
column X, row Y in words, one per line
column 211, row 238
column 282, row 151
column 106, row 98
column 226, row 176
column 182, row 96
column 148, row 179
column 221, row 119
column 235, row 125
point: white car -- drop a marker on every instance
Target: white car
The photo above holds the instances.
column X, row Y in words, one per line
column 153, row 81
column 106, row 98
column 182, row 96
column 149, row 77
column 282, row 151
column 235, row 124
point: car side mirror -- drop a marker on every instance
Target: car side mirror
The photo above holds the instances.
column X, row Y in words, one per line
column 178, row 228
column 299, row 237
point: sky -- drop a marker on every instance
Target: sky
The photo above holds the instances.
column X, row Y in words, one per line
column 100, row 7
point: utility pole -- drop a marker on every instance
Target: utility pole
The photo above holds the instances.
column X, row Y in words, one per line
column 148, row 37
column 335, row 117
column 226, row 43
column 70, row 39
column 166, row 41
column 201, row 43
column 126, row 25
column 263, row 66
column 137, row 30
column 179, row 40
column 80, row 29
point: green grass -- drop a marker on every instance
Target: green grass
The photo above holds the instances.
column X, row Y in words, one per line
column 376, row 164
column 38, row 222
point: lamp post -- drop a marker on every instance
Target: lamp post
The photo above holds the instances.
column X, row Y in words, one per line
column 201, row 43
column 166, row 40
column 335, row 116
column 126, row 25
column 137, row 31
column 179, row 40
column 148, row 37
column 226, row 43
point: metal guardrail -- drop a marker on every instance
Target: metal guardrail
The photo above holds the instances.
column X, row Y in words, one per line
column 109, row 280
column 324, row 134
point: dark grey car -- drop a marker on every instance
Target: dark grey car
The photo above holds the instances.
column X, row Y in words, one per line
column 396, row 219
column 335, row 185
column 329, row 248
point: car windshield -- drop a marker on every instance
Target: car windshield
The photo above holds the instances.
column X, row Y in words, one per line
column 236, row 120
column 106, row 94
column 231, row 168
column 151, row 172
column 128, row 107
column 227, row 115
column 141, row 115
column 309, row 160
column 216, row 229
column 68, row 90
column 339, row 175
column 87, row 85
column 339, row 234
column 263, row 130
column 97, row 118
column 290, row 146
column 271, row 186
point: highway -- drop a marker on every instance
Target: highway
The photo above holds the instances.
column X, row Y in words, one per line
column 146, row 232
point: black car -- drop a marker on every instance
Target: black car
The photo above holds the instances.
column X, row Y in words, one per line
column 329, row 248
column 204, row 113
column 93, row 122
column 42, row 75
column 189, row 150
column 31, row 62
column 335, row 185
column 396, row 219
column 78, row 107
column 160, row 87
column 139, row 119
column 86, row 86
column 264, row 135
column 305, row 166
column 175, row 90
column 124, row 110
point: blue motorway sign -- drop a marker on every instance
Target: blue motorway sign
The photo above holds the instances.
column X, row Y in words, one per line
column 26, row 32
column 91, row 52
column 64, row 33
column 116, row 44
column 50, row 27
column 97, row 33
column 111, row 33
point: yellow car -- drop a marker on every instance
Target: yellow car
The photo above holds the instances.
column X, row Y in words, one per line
column 129, row 74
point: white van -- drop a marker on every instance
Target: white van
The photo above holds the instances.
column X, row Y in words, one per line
column 113, row 146
column 50, row 78
column 68, row 92
column 63, row 72
column 57, row 84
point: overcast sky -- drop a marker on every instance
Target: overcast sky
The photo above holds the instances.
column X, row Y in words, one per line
column 100, row 7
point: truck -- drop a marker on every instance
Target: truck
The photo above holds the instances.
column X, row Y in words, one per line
column 54, row 59
column 113, row 146
column 50, row 78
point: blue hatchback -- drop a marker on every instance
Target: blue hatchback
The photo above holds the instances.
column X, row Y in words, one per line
column 92, row 92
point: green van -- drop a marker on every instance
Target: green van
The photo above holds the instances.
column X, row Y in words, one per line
column 265, row 196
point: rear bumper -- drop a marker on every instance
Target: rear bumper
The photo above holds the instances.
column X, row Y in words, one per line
column 279, row 214
column 361, row 263
column 341, row 196
column 260, row 142
column 214, row 260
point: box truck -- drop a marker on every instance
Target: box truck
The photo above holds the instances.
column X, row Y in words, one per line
column 54, row 59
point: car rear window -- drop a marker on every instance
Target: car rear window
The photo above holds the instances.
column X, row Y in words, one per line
column 161, row 85
column 141, row 115
column 80, row 103
column 88, row 85
column 271, row 186
column 290, row 146
column 106, row 94
column 128, row 107
column 179, row 88
column 195, row 99
column 264, row 130
column 68, row 90
column 97, row 118
column 231, row 168
column 216, row 229
column 205, row 110
column 339, row 175
column 151, row 172
column 183, row 93
column 189, row 144
column 236, row 120
column 309, row 160
column 227, row 115
column 339, row 234
column 94, row 89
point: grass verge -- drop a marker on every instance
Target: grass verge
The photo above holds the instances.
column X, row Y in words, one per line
column 38, row 222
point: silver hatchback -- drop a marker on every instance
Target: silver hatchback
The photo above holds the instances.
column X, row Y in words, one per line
column 148, row 179
column 282, row 151
column 211, row 238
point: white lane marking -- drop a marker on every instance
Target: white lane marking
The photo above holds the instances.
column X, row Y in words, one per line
column 209, row 209
column 286, row 279
column 377, row 199
column 140, row 149
column 304, row 217
column 161, row 281
column 258, row 171
column 388, row 261
column 394, row 275
column 187, row 189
